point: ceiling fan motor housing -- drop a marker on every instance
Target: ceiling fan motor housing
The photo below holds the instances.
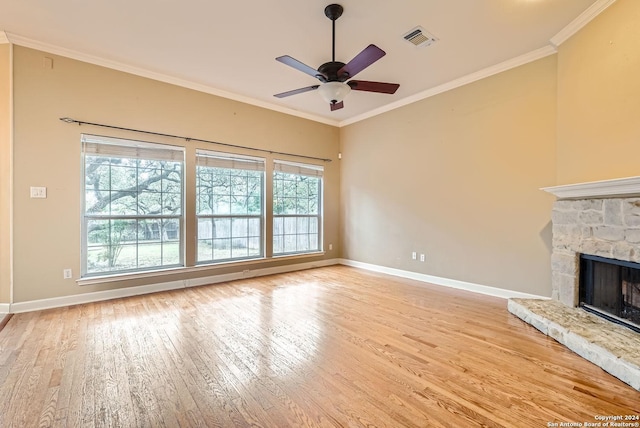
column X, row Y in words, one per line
column 329, row 71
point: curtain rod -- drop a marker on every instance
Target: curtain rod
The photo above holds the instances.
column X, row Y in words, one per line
column 80, row 122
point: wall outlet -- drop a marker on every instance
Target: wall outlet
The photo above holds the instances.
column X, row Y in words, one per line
column 38, row 192
column 330, row 247
column 67, row 274
column 422, row 257
column 414, row 255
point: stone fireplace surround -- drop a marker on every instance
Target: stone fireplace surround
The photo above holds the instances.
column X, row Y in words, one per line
column 598, row 218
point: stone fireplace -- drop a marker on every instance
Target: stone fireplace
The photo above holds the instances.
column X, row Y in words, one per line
column 606, row 227
column 601, row 220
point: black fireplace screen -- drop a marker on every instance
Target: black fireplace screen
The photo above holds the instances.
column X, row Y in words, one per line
column 611, row 286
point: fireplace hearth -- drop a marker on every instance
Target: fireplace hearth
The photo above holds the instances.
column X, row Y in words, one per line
column 611, row 288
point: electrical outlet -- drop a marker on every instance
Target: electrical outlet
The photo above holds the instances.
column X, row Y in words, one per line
column 414, row 255
column 330, row 247
column 67, row 274
column 422, row 257
column 38, row 192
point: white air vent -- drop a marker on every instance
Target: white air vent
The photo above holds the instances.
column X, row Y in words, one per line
column 420, row 37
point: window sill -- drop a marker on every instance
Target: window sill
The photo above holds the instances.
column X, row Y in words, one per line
column 92, row 280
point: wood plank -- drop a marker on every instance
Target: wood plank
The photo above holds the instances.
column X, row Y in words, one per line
column 327, row 347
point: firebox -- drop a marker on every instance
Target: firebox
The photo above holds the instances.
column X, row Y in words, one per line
column 611, row 288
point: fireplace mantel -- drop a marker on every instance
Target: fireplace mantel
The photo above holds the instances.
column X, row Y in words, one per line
column 619, row 187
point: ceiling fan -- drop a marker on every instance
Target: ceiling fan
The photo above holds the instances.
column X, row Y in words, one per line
column 334, row 74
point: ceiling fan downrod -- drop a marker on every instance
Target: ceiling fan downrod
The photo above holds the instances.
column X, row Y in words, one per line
column 333, row 12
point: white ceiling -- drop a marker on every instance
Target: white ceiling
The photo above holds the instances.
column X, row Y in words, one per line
column 229, row 48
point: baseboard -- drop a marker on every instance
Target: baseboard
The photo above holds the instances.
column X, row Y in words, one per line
column 4, row 308
column 77, row 299
column 445, row 282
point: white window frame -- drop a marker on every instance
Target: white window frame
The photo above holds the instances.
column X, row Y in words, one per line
column 229, row 161
column 93, row 145
column 300, row 169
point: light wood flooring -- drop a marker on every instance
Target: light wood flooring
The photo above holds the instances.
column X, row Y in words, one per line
column 328, row 347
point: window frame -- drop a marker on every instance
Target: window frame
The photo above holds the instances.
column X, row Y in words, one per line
column 299, row 169
column 231, row 161
column 110, row 147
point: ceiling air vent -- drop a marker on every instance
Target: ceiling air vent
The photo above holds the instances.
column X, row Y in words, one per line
column 420, row 37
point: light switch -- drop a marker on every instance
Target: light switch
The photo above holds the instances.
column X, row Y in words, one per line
column 38, row 192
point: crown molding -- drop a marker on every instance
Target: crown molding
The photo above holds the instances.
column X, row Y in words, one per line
column 464, row 80
column 583, row 19
column 574, row 26
column 119, row 66
column 597, row 189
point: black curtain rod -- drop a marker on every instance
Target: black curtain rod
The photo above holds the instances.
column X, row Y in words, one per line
column 80, row 122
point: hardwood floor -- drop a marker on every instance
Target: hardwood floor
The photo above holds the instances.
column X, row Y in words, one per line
column 334, row 346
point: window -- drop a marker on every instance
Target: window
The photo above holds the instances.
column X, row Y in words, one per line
column 229, row 207
column 297, row 208
column 132, row 206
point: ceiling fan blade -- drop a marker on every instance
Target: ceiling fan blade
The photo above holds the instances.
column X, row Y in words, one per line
column 381, row 87
column 297, row 91
column 364, row 59
column 292, row 62
column 337, row 106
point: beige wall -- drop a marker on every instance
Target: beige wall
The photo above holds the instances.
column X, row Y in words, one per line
column 599, row 98
column 5, row 172
column 47, row 153
column 456, row 176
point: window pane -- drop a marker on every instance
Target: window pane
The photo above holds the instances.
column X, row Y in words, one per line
column 254, row 247
column 239, row 247
column 278, row 244
column 302, row 224
column 205, row 228
column 204, row 205
column 254, row 227
column 222, row 205
column 124, row 203
column 278, row 226
column 124, row 177
column 222, row 228
column 290, row 226
column 150, row 254
column 149, row 203
column 239, row 184
column 171, row 253
column 205, row 250
column 254, row 205
column 170, row 230
column 171, row 203
column 289, row 244
column 238, row 205
column 221, row 249
column 240, row 227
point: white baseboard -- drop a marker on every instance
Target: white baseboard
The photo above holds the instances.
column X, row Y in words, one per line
column 77, row 299
column 4, row 308
column 445, row 282
column 56, row 302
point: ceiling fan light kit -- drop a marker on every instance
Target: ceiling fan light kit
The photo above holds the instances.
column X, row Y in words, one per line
column 335, row 75
column 334, row 92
